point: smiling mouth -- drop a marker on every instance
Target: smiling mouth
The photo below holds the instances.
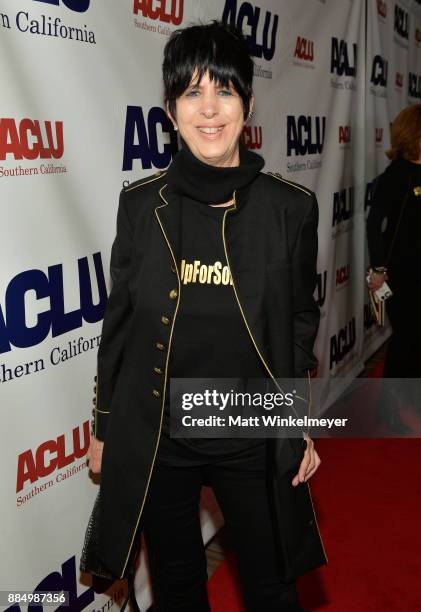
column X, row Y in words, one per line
column 211, row 130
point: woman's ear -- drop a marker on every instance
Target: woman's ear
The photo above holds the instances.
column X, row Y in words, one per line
column 170, row 117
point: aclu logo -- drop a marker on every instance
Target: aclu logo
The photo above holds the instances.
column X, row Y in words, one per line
column 142, row 136
column 66, row 578
column 382, row 9
column 304, row 52
column 342, row 343
column 29, row 292
column 379, row 71
column 320, row 291
column 342, row 62
column 401, row 22
column 251, row 137
column 305, row 135
column 52, row 455
column 31, row 139
column 344, row 135
column 343, row 206
column 378, row 78
column 61, row 579
column 369, row 195
column 163, row 11
column 399, row 81
column 79, row 6
column 414, row 85
column 243, row 14
column 343, row 275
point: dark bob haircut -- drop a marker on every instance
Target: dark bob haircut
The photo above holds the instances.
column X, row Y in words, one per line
column 216, row 47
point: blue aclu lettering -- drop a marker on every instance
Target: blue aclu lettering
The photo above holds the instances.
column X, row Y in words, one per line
column 342, row 343
column 343, row 205
column 414, row 85
column 249, row 15
column 141, row 138
column 305, row 134
column 65, row 580
column 379, row 71
column 14, row 329
column 340, row 58
column 401, row 22
column 80, row 6
column 320, row 292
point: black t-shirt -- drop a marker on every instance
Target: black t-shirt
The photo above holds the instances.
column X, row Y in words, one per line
column 210, row 339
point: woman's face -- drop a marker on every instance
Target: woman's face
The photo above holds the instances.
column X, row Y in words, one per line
column 210, row 119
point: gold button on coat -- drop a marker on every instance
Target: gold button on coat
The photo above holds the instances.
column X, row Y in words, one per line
column 157, row 370
column 160, row 346
column 156, row 393
column 173, row 294
column 165, row 320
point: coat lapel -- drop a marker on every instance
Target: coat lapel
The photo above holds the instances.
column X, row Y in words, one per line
column 169, row 213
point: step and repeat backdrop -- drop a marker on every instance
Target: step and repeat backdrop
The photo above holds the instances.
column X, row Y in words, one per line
column 81, row 115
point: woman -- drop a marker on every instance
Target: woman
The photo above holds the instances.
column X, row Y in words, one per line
column 215, row 207
column 394, row 242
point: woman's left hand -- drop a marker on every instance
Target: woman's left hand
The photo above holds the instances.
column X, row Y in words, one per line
column 376, row 280
column 309, row 463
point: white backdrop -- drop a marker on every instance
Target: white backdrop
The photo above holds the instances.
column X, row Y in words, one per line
column 81, row 114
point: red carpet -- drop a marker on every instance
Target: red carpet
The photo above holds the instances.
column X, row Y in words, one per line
column 367, row 496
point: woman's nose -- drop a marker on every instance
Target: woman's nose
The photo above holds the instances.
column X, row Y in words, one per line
column 209, row 106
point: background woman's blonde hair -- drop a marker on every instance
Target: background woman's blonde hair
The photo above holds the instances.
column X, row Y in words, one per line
column 405, row 134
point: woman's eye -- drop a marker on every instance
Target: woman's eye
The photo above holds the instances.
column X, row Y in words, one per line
column 192, row 93
column 225, row 92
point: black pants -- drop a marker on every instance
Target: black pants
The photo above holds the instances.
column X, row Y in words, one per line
column 173, row 537
column 402, row 357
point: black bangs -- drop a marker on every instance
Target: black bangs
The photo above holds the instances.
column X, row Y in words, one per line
column 216, row 48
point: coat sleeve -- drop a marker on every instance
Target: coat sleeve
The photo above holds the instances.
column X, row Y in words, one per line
column 376, row 216
column 116, row 320
column 306, row 313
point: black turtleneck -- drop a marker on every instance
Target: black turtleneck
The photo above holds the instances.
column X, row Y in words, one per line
column 201, row 182
column 210, row 339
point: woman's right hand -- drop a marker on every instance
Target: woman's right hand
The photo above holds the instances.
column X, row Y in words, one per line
column 94, row 455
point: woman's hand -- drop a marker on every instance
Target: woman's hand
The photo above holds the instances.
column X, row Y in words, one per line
column 94, row 455
column 309, row 463
column 376, row 280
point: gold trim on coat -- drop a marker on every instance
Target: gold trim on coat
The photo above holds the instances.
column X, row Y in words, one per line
column 283, row 180
column 165, row 376
column 257, row 348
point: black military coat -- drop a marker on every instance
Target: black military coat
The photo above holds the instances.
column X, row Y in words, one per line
column 270, row 242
